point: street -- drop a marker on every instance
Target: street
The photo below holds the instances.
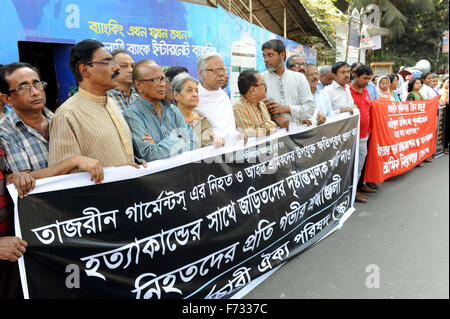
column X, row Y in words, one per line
column 396, row 246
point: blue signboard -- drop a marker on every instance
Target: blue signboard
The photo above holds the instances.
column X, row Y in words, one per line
column 170, row 32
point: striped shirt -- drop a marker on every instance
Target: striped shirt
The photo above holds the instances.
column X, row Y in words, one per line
column 250, row 117
column 122, row 99
column 170, row 132
column 25, row 148
column 91, row 126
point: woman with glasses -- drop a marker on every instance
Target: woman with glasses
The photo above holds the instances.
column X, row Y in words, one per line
column 185, row 93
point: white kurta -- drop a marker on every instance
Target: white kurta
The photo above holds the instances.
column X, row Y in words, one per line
column 217, row 108
column 291, row 88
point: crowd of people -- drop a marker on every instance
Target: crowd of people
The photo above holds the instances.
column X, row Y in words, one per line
column 127, row 113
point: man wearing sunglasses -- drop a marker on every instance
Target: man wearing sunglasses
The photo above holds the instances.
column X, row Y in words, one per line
column 90, row 123
column 157, row 127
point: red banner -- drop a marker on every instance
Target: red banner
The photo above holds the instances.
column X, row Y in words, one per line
column 403, row 135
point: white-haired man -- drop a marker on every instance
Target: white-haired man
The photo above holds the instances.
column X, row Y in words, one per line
column 214, row 103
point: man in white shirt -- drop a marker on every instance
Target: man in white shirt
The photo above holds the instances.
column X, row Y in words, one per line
column 339, row 90
column 325, row 77
column 288, row 92
column 214, row 103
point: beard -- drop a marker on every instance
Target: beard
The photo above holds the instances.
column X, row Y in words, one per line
column 272, row 68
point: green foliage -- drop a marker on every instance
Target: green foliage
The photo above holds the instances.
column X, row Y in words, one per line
column 326, row 15
column 422, row 36
column 417, row 27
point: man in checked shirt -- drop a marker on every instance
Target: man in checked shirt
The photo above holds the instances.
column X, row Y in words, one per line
column 124, row 93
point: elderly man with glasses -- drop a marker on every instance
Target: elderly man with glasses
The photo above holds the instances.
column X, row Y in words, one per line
column 214, row 103
column 250, row 112
column 296, row 63
column 90, row 123
column 158, row 128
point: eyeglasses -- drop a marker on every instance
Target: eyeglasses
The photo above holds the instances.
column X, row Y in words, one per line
column 218, row 71
column 26, row 88
column 260, row 84
column 108, row 61
column 297, row 65
column 156, row 80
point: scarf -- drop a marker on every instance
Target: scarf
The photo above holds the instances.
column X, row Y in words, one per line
column 216, row 107
column 384, row 95
column 417, row 96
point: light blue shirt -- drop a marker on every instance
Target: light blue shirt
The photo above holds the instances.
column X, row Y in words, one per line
column 170, row 132
column 320, row 86
column 323, row 103
column 372, row 89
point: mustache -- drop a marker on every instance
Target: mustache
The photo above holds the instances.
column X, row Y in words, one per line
column 115, row 74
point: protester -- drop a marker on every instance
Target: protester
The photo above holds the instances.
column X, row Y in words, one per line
column 427, row 91
column 325, row 77
column 124, row 93
column 288, row 92
column 11, row 247
column 384, row 88
column 296, row 63
column 251, row 114
column 24, row 134
column 153, row 117
column 321, row 101
column 444, row 100
column 414, row 88
column 90, row 123
column 353, row 68
column 435, row 83
column 393, row 86
column 339, row 91
column 400, row 88
column 170, row 73
column 185, row 94
column 371, row 87
column 214, row 103
column 360, row 95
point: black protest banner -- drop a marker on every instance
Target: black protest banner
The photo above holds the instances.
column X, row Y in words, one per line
column 203, row 229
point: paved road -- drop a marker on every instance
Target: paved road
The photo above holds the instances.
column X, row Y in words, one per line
column 403, row 232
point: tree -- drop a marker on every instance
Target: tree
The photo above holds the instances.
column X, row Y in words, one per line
column 326, row 15
column 417, row 29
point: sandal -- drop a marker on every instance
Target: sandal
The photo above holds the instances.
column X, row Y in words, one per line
column 428, row 160
column 360, row 198
column 420, row 164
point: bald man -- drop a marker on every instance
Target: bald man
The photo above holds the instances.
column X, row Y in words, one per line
column 157, row 127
